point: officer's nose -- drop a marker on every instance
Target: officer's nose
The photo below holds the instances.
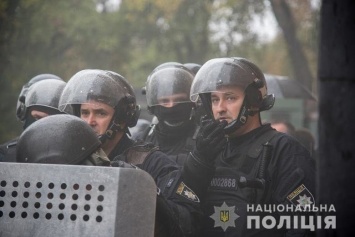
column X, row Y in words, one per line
column 91, row 120
column 169, row 103
column 220, row 107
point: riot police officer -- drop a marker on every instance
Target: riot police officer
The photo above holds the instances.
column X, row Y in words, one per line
column 60, row 139
column 105, row 100
column 38, row 98
column 21, row 109
column 239, row 162
column 168, row 98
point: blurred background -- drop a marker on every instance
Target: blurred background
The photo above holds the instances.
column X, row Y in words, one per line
column 133, row 37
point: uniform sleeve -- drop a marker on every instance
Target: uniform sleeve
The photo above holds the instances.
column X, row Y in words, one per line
column 175, row 196
column 8, row 151
column 293, row 169
column 2, row 155
column 293, row 181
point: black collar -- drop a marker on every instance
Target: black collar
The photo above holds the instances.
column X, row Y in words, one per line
column 121, row 146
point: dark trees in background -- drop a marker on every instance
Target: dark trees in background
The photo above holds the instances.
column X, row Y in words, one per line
column 63, row 37
column 298, row 59
column 336, row 162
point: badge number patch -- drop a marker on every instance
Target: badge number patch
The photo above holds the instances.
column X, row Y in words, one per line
column 224, row 216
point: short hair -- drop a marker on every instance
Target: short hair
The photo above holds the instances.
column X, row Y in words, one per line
column 290, row 128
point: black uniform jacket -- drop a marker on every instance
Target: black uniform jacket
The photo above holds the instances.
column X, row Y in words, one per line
column 176, row 144
column 177, row 206
column 8, row 151
column 243, row 178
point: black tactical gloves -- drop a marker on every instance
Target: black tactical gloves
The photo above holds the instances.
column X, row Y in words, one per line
column 199, row 167
column 210, row 141
column 122, row 164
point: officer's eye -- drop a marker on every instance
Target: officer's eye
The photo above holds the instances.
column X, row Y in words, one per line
column 103, row 114
column 84, row 113
column 231, row 98
column 215, row 100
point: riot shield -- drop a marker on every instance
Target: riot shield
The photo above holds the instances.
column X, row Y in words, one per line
column 40, row 200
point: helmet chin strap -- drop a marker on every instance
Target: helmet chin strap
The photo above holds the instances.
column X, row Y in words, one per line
column 240, row 121
column 112, row 129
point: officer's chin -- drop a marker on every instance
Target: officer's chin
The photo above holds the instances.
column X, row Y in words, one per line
column 228, row 120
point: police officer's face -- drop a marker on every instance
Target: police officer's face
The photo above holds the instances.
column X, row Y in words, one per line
column 226, row 103
column 97, row 115
column 36, row 114
column 170, row 101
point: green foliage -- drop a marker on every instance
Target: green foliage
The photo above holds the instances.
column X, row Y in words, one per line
column 63, row 37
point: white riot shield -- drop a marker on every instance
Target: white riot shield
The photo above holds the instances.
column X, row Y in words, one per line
column 41, row 200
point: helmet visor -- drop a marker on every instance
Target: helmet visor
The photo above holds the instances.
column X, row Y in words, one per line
column 89, row 85
column 169, row 86
column 45, row 93
column 218, row 73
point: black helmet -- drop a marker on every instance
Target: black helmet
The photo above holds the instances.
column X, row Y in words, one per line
column 20, row 107
column 166, row 64
column 104, row 86
column 166, row 82
column 57, row 139
column 161, row 66
column 45, row 95
column 133, row 110
column 220, row 72
column 199, row 110
column 193, row 67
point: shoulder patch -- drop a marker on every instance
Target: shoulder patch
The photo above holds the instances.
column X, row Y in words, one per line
column 186, row 192
column 301, row 196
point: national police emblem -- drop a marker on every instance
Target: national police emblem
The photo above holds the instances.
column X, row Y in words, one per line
column 301, row 196
column 224, row 216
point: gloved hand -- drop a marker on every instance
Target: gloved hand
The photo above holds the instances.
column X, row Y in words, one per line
column 122, row 164
column 210, row 141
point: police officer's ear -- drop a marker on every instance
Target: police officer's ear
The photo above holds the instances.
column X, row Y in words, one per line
column 254, row 97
